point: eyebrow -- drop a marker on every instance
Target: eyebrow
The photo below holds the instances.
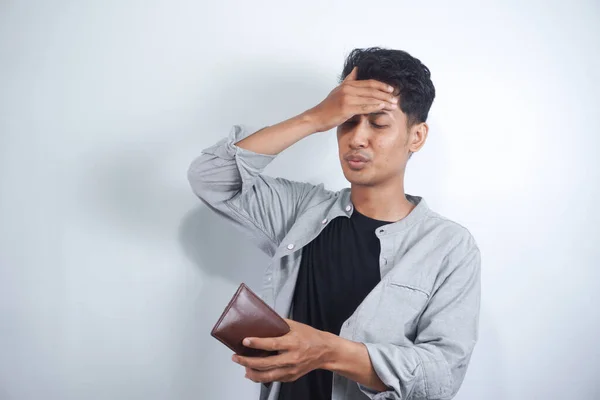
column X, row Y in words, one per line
column 375, row 114
column 378, row 113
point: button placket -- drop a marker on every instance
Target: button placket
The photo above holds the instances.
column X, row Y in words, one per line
column 387, row 253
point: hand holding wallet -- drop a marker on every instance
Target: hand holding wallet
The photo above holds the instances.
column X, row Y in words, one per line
column 247, row 315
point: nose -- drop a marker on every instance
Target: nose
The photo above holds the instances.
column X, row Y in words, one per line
column 359, row 137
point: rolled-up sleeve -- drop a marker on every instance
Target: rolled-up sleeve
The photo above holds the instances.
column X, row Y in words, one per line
column 224, row 162
column 434, row 367
column 229, row 180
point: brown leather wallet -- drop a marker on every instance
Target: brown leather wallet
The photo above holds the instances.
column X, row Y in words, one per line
column 247, row 315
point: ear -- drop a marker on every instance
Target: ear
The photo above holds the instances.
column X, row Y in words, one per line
column 417, row 137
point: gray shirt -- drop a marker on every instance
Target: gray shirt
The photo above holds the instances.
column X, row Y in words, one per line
column 419, row 324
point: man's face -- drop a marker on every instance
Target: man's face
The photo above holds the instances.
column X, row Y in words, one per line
column 374, row 148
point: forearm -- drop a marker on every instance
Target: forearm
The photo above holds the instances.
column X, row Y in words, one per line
column 274, row 139
column 351, row 97
column 351, row 360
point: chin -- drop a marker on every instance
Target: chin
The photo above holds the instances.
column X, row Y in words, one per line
column 356, row 178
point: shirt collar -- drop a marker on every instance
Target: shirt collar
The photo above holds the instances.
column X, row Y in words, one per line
column 311, row 223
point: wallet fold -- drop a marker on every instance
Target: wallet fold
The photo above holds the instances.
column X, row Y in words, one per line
column 247, row 315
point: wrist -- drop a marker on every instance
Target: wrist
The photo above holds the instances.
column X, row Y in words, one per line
column 335, row 348
column 311, row 119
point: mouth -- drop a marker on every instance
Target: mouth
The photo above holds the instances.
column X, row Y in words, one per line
column 357, row 162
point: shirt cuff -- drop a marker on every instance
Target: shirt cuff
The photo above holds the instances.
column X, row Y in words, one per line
column 390, row 364
column 227, row 150
column 373, row 395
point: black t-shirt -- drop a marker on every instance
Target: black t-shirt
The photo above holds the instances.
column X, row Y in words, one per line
column 337, row 271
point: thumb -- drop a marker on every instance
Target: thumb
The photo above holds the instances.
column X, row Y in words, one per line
column 291, row 322
column 352, row 75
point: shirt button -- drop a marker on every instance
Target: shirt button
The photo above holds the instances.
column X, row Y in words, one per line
column 290, row 246
column 324, row 221
column 269, row 279
column 348, row 207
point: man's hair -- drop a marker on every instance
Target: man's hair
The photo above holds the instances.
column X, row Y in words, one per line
column 410, row 78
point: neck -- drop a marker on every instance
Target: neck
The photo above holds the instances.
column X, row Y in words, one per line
column 382, row 202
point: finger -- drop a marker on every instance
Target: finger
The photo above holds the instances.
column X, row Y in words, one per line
column 373, row 84
column 263, row 363
column 270, row 344
column 373, row 93
column 291, row 322
column 275, row 375
column 352, row 75
column 367, row 106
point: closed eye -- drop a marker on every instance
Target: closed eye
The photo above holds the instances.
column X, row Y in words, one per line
column 351, row 122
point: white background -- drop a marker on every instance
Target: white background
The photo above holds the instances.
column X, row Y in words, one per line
column 111, row 271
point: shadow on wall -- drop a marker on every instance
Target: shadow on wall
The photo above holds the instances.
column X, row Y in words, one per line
column 219, row 249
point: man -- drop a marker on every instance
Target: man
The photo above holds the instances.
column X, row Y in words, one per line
column 382, row 293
